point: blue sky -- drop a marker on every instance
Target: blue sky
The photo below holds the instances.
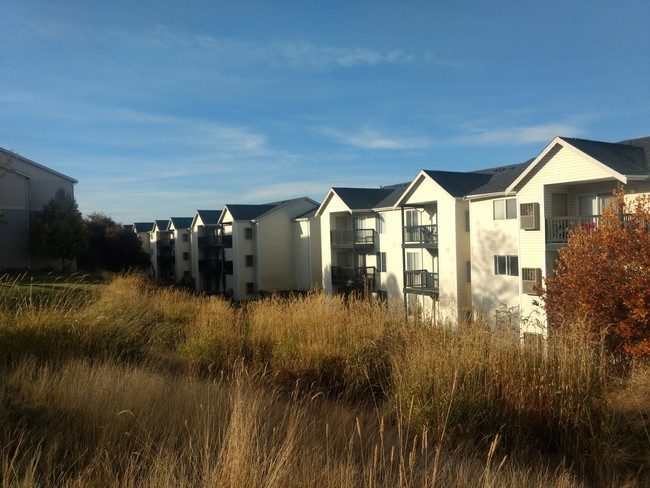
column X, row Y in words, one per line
column 162, row 107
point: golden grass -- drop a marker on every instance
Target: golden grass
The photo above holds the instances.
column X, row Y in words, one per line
column 147, row 386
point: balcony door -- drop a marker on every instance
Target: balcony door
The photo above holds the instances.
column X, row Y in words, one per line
column 593, row 204
column 413, row 261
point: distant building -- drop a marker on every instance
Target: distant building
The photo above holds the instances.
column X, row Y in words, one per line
column 25, row 186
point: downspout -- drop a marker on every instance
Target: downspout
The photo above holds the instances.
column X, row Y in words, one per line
column 29, row 222
column 403, row 262
column 256, row 257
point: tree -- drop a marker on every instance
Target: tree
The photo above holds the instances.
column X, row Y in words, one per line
column 111, row 247
column 603, row 278
column 58, row 230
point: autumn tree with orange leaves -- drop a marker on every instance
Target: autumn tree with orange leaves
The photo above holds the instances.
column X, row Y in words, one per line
column 603, row 278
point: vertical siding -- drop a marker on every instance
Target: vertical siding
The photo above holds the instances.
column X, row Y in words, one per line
column 390, row 242
column 463, row 254
column 491, row 237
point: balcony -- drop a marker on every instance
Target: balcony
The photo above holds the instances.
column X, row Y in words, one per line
column 349, row 276
column 164, row 243
column 421, row 236
column 213, row 265
column 421, row 281
column 209, row 241
column 558, row 228
column 353, row 238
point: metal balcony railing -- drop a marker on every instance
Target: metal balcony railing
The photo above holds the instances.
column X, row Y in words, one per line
column 353, row 237
column 421, row 279
column 421, row 234
column 558, row 228
column 350, row 276
column 209, row 241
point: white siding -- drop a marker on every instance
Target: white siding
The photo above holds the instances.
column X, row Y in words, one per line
column 491, row 237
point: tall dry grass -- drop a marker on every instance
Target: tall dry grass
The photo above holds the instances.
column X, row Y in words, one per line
column 86, row 424
column 149, row 386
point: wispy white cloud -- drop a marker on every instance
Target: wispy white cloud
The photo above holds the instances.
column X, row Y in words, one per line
column 299, row 54
column 372, row 139
column 521, row 135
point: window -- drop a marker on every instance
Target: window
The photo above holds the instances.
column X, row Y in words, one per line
column 227, row 267
column 186, row 274
column 248, row 233
column 467, row 221
column 593, row 204
column 379, row 223
column 249, row 260
column 186, row 236
column 505, row 209
column 382, row 295
column 250, row 288
column 381, row 262
column 468, row 276
column 506, row 265
column 412, row 261
column 411, row 218
column 186, row 256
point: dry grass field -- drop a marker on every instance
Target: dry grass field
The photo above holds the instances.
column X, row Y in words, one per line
column 128, row 384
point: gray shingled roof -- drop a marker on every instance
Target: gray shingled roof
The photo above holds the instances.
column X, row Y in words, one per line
column 248, row 211
column 458, row 184
column 143, row 226
column 391, row 199
column 623, row 158
column 362, row 198
column 500, row 178
column 162, row 224
column 209, row 217
column 182, row 222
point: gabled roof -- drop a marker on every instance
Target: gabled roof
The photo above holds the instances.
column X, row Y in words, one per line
column 208, row 217
column 256, row 212
column 458, row 184
column 391, row 199
column 29, row 161
column 455, row 183
column 622, row 161
column 162, row 224
column 623, row 158
column 143, row 226
column 248, row 211
column 362, row 198
column 180, row 222
column 501, row 178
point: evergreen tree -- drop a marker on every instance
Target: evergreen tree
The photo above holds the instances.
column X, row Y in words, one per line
column 58, row 230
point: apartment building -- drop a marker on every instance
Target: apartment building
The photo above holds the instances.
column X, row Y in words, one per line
column 259, row 246
column 435, row 238
column 25, row 186
column 518, row 227
column 163, row 258
column 143, row 231
column 179, row 233
column 207, row 251
column 360, row 243
column 307, row 251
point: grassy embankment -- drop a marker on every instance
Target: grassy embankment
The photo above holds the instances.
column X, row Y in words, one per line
column 129, row 384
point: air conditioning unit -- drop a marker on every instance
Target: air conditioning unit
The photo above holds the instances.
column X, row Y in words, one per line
column 531, row 279
column 529, row 216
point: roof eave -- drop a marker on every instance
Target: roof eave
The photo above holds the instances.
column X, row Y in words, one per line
column 489, row 195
